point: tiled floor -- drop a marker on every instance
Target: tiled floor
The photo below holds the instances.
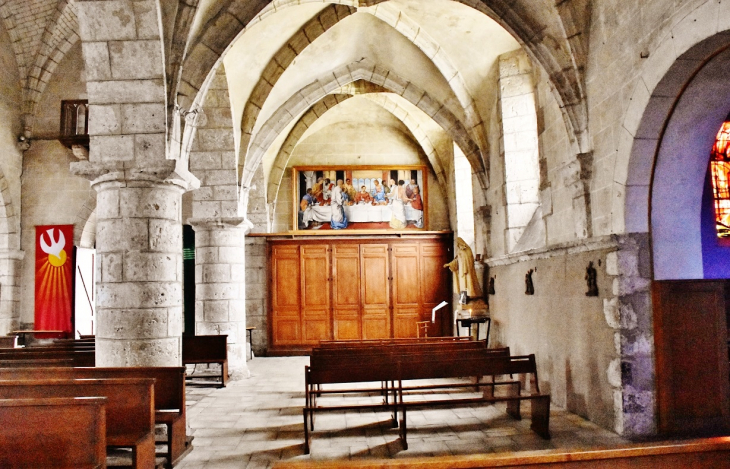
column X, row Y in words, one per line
column 257, row 421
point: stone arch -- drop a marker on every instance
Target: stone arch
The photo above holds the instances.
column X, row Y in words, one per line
column 368, row 72
column 669, row 67
column 328, row 18
column 555, row 52
column 280, row 62
column 9, row 219
column 277, row 169
column 85, row 223
column 58, row 38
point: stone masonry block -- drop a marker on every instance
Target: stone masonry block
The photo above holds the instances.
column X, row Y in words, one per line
column 203, row 193
column 145, row 118
column 206, row 255
column 111, row 148
column 214, row 139
column 150, row 202
column 216, row 177
column 233, row 254
column 126, row 91
column 207, row 209
column 134, row 295
column 119, row 234
column 229, row 193
column 134, row 324
column 108, row 20
column 149, row 147
column 96, row 61
column 215, row 310
column 205, row 160
column 238, row 273
column 165, row 236
column 145, row 13
column 218, row 291
column 146, row 266
column 134, row 60
column 111, row 267
column 216, row 273
column 107, row 204
column 107, row 119
column 237, row 311
column 226, row 237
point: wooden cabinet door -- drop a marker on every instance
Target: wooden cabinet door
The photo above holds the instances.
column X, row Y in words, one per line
column 347, row 318
column 406, row 289
column 374, row 291
column 435, row 287
column 690, row 334
column 285, row 279
column 315, row 302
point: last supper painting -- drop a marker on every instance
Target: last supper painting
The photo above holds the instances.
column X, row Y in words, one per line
column 360, row 198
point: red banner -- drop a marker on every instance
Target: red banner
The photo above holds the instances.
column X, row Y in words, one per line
column 53, row 281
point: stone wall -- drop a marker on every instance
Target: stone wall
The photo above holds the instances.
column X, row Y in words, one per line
column 257, row 292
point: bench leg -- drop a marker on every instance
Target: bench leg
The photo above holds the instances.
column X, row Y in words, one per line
column 306, row 432
column 513, row 406
column 541, row 416
column 143, row 454
column 404, row 430
column 224, row 373
column 176, row 440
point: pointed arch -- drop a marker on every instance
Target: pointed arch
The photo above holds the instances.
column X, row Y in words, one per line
column 366, row 71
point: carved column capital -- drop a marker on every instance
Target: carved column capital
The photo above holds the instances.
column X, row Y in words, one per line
column 125, row 173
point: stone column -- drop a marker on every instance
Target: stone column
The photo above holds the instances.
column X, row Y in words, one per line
column 10, row 261
column 220, row 285
column 139, row 247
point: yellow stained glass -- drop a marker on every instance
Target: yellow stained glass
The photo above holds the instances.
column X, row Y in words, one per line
column 720, row 167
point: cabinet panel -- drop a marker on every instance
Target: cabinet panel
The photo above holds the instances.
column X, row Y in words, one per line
column 375, row 291
column 346, row 299
column 435, row 287
column 286, row 316
column 315, row 304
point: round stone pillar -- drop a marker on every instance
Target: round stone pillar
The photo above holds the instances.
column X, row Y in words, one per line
column 220, row 286
column 10, row 261
column 139, row 258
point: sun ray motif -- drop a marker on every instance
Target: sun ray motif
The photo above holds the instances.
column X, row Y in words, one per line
column 53, row 296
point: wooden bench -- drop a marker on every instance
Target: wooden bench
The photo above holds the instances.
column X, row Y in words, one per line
column 8, row 341
column 399, row 364
column 78, row 358
column 129, row 409
column 169, row 395
column 199, row 349
column 40, row 363
column 53, row 432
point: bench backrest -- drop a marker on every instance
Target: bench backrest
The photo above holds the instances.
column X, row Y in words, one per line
column 204, row 348
column 169, row 381
column 79, row 358
column 129, row 407
column 53, row 432
column 36, row 363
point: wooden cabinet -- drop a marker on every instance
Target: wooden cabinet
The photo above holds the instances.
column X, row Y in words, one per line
column 693, row 388
column 356, row 289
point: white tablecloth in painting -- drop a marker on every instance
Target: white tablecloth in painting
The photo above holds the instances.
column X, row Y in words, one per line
column 363, row 213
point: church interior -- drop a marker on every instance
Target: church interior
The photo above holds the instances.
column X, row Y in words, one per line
column 299, row 176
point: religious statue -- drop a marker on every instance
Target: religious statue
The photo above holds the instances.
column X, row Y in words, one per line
column 529, row 287
column 591, row 280
column 463, row 267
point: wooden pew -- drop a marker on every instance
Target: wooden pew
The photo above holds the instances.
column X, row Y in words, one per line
column 169, row 395
column 206, row 349
column 129, row 409
column 40, row 363
column 405, row 363
column 8, row 341
column 79, row 358
column 53, row 432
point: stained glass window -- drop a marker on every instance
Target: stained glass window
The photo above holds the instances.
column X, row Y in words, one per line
column 720, row 167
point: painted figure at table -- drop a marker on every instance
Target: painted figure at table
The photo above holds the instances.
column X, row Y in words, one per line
column 306, row 205
column 417, row 204
column 392, row 190
column 327, row 189
column 379, row 194
column 398, row 209
column 363, row 196
column 409, row 188
column 463, row 267
column 338, row 199
column 349, row 190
